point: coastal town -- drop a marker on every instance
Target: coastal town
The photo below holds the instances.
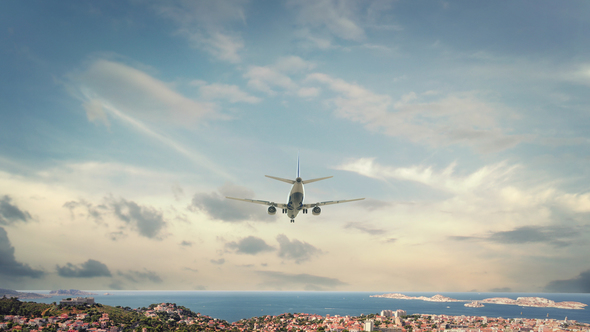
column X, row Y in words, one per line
column 84, row 315
column 537, row 302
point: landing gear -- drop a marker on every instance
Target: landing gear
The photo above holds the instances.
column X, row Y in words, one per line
column 292, row 220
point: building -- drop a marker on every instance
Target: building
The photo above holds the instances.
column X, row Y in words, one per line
column 77, row 301
column 369, row 325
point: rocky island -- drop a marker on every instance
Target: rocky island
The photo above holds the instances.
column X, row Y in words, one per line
column 535, row 302
column 538, row 302
column 435, row 298
column 73, row 292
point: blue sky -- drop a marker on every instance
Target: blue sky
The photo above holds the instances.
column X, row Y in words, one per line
column 464, row 124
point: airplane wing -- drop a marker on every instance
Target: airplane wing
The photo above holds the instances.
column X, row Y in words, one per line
column 279, row 205
column 309, row 206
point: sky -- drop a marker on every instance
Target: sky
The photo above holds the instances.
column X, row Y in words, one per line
column 123, row 124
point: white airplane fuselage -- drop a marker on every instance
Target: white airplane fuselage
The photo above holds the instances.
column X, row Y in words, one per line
column 295, row 199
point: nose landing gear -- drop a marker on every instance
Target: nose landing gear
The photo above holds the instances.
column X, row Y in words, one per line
column 292, row 220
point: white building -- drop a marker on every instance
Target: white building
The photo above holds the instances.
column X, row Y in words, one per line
column 369, row 325
column 77, row 301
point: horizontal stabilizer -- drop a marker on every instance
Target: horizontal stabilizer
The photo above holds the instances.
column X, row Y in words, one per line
column 281, row 179
column 314, row 180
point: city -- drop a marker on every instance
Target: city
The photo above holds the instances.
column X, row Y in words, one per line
column 83, row 314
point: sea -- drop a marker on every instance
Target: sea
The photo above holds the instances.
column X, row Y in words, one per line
column 235, row 305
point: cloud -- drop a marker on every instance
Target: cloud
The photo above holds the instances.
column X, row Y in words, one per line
column 231, row 93
column 336, row 17
column 220, row 208
column 9, row 267
column 280, row 280
column 139, row 276
column 557, row 235
column 95, row 112
column 89, row 269
column 177, row 191
column 501, row 290
column 579, row 284
column 446, row 179
column 208, row 25
column 274, row 77
column 148, row 221
column 10, row 214
column 454, row 119
column 296, row 250
column 186, row 243
column 364, row 228
column 249, row 245
column 220, row 261
column 107, row 87
column 94, row 212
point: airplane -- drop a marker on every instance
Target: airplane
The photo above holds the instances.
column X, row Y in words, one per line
column 295, row 199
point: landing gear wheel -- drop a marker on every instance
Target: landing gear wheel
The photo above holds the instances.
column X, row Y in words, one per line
column 292, row 220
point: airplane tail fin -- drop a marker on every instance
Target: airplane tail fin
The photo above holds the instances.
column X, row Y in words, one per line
column 298, row 164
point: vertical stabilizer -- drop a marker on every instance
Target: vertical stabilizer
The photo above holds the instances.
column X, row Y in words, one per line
column 297, row 164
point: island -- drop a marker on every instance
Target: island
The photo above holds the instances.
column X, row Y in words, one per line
column 537, row 302
column 73, row 292
column 435, row 298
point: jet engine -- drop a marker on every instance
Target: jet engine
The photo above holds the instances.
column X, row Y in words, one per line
column 272, row 210
column 316, row 211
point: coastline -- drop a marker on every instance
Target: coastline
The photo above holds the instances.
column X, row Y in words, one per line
column 236, row 305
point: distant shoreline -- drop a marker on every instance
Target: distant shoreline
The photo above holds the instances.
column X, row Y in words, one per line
column 537, row 302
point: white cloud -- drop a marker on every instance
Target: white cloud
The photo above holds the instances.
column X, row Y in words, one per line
column 453, row 119
column 445, row 179
column 268, row 78
column 207, row 25
column 136, row 93
column 95, row 112
column 220, row 45
column 232, row 93
column 308, row 92
column 496, row 187
column 337, row 17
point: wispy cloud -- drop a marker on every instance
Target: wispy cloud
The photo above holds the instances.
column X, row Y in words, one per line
column 336, row 17
column 446, row 179
column 208, row 25
column 276, row 77
column 363, row 227
column 454, row 119
column 135, row 93
column 115, row 90
column 231, row 93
